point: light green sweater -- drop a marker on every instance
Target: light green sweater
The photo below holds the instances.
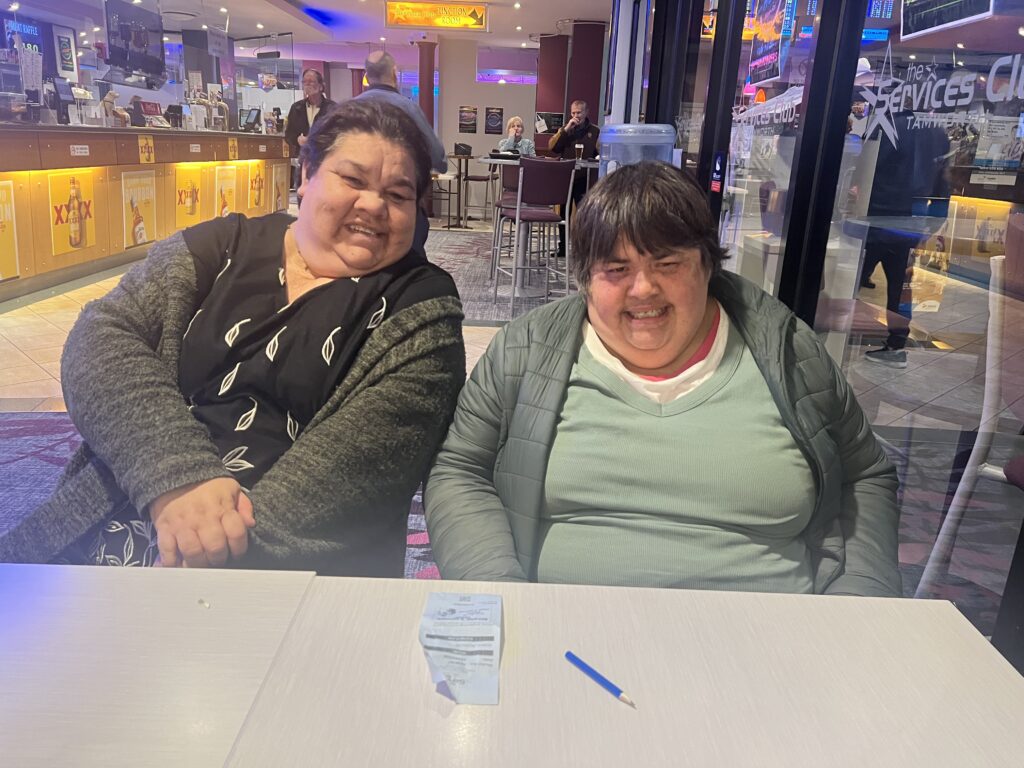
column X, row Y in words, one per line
column 635, row 496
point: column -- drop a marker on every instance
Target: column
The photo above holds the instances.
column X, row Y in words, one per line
column 427, row 49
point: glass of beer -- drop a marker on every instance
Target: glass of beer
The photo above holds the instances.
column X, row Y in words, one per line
column 579, row 151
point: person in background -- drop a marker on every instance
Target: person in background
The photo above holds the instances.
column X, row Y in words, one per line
column 672, row 425
column 515, row 140
column 382, row 76
column 266, row 392
column 303, row 114
column 577, row 131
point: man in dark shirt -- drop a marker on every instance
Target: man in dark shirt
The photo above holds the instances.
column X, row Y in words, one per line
column 306, row 111
column 578, row 130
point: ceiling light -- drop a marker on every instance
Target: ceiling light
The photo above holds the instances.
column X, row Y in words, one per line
column 79, row 53
column 383, row 39
column 205, row 27
column 81, row 34
column 913, row 57
column 960, row 63
column 15, row 6
column 95, row 29
column 960, row 46
column 1020, row 30
column 517, row 6
column 501, row 81
column 259, row 25
column 136, row 2
column 523, row 45
column 223, row 9
column 167, row 39
column 519, row 29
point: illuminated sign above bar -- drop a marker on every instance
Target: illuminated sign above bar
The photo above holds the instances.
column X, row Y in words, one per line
column 436, row 15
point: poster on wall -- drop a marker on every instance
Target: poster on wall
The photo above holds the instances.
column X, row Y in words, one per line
column 467, row 119
column 67, row 59
column 8, row 232
column 187, row 182
column 919, row 17
column 138, row 207
column 766, row 47
column 494, row 120
column 72, row 209
column 224, row 184
column 281, row 187
column 257, row 184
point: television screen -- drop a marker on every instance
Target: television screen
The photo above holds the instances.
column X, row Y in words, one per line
column 919, row 17
column 63, row 89
column 135, row 39
column 252, row 118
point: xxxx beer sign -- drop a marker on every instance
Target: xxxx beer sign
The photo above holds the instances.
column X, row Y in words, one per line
column 470, row 16
column 72, row 212
column 187, row 182
column 147, row 154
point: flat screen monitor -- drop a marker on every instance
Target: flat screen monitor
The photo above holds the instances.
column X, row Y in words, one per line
column 63, row 90
column 252, row 118
column 919, row 17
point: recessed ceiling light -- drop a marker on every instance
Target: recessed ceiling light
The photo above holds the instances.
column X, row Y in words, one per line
column 501, row 81
column 519, row 29
column 960, row 63
column 95, row 29
column 205, row 27
column 259, row 25
column 523, row 45
column 81, row 34
column 14, row 6
column 167, row 39
column 136, row 2
column 383, row 39
column 1020, row 30
column 223, row 9
column 517, row 6
column 960, row 46
column 913, row 56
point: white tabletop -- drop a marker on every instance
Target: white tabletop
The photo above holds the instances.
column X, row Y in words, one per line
column 134, row 666
column 720, row 679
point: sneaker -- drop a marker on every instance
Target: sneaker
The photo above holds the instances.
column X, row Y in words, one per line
column 894, row 358
column 866, row 283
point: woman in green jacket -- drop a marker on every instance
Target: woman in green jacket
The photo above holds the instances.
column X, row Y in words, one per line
column 672, row 425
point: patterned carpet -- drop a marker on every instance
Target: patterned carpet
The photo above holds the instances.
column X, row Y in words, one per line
column 467, row 257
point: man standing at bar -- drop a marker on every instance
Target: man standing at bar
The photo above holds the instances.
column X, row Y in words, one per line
column 383, row 80
column 576, row 140
column 313, row 105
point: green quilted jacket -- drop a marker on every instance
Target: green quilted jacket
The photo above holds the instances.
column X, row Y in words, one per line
column 485, row 492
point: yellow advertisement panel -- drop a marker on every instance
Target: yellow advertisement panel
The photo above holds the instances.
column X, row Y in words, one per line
column 232, row 148
column 72, row 211
column 257, row 184
column 466, row 16
column 138, row 207
column 281, row 187
column 224, row 189
column 187, row 181
column 8, row 232
column 147, row 154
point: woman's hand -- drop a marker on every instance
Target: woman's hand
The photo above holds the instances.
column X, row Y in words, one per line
column 302, row 140
column 202, row 523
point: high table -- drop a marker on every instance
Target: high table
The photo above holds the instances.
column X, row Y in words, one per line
column 720, row 679
column 134, row 666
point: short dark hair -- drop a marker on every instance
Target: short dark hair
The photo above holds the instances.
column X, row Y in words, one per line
column 376, row 118
column 317, row 72
column 379, row 68
column 655, row 206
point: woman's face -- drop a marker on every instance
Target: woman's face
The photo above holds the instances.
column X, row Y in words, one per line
column 358, row 211
column 651, row 312
column 515, row 128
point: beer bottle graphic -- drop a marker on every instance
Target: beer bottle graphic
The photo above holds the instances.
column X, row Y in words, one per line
column 258, row 190
column 138, row 225
column 191, row 199
column 76, row 228
column 277, row 197
column 224, row 210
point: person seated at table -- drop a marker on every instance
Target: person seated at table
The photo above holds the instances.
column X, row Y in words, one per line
column 670, row 426
column 267, row 392
column 515, row 140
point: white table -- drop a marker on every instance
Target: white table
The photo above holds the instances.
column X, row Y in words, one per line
column 720, row 679
column 134, row 666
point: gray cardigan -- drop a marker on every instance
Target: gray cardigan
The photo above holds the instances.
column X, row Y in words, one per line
column 486, row 490
column 335, row 502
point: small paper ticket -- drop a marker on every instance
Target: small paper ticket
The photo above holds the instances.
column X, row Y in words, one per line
column 461, row 638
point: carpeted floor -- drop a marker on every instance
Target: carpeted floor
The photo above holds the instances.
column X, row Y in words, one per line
column 35, row 446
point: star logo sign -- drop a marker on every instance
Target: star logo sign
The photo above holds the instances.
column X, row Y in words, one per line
column 880, row 99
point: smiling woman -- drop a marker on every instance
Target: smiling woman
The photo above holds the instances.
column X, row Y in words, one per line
column 672, row 426
column 266, row 391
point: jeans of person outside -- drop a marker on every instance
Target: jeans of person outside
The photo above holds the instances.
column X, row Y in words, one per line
column 892, row 251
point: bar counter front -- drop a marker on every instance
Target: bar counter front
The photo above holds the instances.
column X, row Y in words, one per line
column 74, row 201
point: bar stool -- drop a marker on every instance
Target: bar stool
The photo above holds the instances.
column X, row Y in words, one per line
column 488, row 179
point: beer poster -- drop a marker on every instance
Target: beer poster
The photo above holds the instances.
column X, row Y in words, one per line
column 188, row 179
column 138, row 207
column 72, row 211
column 258, row 184
column 224, row 190
column 8, row 232
column 281, row 187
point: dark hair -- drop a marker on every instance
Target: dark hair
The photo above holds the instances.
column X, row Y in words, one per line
column 376, row 118
column 655, row 206
column 379, row 68
column 317, row 72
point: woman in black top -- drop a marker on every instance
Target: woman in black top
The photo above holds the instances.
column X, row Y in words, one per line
column 304, row 113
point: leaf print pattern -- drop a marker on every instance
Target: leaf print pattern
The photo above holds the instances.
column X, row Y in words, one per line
column 190, row 323
column 327, row 350
column 233, row 460
column 246, row 419
column 271, row 350
column 225, row 269
column 378, row 316
column 225, row 385
column 280, row 275
column 293, row 427
column 231, row 335
column 354, row 279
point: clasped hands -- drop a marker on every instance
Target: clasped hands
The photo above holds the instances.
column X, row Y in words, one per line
column 200, row 525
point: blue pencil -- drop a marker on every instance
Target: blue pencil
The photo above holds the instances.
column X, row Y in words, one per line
column 598, row 678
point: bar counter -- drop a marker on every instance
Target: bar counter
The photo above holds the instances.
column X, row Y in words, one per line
column 78, row 199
